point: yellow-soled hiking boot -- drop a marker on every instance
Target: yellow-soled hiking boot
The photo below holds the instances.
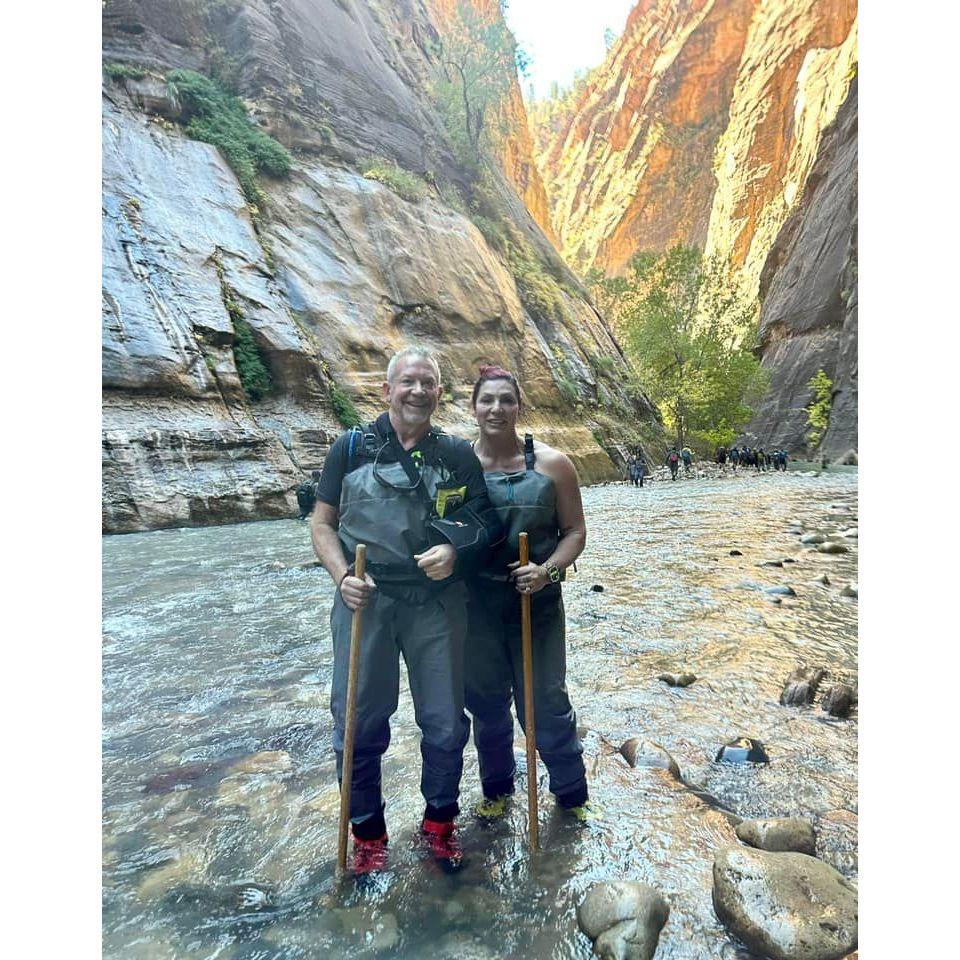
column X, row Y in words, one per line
column 585, row 812
column 493, row 809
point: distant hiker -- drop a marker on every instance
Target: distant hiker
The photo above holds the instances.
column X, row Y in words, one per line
column 734, row 458
column 417, row 498
column 760, row 459
column 687, row 455
column 533, row 488
column 781, row 460
column 722, row 456
column 638, row 470
column 307, row 494
column 673, row 462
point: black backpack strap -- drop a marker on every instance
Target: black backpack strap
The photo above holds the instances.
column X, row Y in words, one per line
column 529, row 458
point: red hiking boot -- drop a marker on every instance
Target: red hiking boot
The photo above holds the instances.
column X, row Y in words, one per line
column 443, row 843
column 369, row 855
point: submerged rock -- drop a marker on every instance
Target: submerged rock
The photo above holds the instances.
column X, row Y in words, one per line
column 813, row 538
column 779, row 835
column 780, row 591
column 853, row 533
column 677, row 679
column 597, row 588
column 736, row 553
column 785, row 906
column 832, row 546
column 822, row 580
column 623, row 918
column 771, row 563
column 801, row 686
column 850, row 590
column 646, row 753
column 839, row 699
column 742, row 750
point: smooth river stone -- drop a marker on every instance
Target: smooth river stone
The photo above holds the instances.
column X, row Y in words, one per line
column 815, row 537
column 780, row 591
column 646, row 753
column 623, row 918
column 832, row 547
column 779, row 835
column 742, row 750
column 850, row 590
column 785, row 906
column 677, row 679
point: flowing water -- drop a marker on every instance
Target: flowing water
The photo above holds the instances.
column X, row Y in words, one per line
column 219, row 794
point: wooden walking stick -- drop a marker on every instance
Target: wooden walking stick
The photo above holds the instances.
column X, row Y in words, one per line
column 528, row 709
column 346, row 776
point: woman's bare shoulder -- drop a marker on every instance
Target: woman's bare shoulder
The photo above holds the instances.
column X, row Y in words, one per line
column 553, row 462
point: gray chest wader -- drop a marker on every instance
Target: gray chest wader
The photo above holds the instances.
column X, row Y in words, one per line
column 494, row 664
column 409, row 615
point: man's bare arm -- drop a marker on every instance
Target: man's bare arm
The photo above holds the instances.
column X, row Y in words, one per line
column 326, row 544
column 324, row 522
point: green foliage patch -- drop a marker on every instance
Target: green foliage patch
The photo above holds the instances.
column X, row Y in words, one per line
column 253, row 372
column 343, row 408
column 216, row 116
column 120, row 71
column 818, row 411
column 402, row 182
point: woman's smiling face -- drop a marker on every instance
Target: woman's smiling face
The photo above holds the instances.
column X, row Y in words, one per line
column 497, row 407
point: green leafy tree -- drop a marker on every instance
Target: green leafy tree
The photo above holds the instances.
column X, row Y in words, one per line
column 818, row 410
column 690, row 335
column 477, row 59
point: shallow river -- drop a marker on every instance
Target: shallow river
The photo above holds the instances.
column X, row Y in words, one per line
column 219, row 795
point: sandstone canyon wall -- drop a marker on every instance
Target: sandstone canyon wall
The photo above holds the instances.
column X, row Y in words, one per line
column 702, row 127
column 809, row 288
column 332, row 275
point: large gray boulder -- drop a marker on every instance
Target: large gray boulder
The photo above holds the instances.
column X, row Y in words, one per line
column 779, row 835
column 623, row 918
column 785, row 906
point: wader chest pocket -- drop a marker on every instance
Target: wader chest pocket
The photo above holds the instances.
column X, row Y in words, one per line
column 449, row 499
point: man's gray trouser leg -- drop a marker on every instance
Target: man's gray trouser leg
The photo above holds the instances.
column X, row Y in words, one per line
column 377, row 695
column 432, row 639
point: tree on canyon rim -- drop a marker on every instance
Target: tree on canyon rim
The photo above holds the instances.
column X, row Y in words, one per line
column 477, row 58
column 690, row 334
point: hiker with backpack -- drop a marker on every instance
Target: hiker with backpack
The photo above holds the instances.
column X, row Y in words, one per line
column 417, row 498
column 307, row 494
column 673, row 462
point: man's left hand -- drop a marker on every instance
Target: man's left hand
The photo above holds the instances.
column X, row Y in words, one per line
column 437, row 562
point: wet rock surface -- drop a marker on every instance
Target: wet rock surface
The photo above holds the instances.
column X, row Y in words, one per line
column 624, row 919
column 742, row 750
column 839, row 699
column 779, row 835
column 645, row 753
column 785, row 906
column 801, row 686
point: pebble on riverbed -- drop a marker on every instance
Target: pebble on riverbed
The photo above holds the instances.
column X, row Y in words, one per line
column 742, row 750
column 623, row 918
column 832, row 546
column 736, row 553
column 779, row 835
column 813, row 538
column 822, row 580
column 677, row 679
column 850, row 590
column 801, row 686
column 780, row 591
column 646, row 753
column 597, row 588
column 838, row 699
column 785, row 906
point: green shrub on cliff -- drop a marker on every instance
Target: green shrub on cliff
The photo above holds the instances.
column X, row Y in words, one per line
column 254, row 375
column 343, row 408
column 402, row 182
column 120, row 71
column 818, row 411
column 216, row 116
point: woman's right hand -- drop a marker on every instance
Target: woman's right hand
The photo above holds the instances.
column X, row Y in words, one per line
column 356, row 593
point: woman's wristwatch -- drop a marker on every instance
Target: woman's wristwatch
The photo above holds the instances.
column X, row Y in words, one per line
column 553, row 572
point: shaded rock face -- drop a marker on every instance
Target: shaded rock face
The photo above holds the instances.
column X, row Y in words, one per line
column 700, row 127
column 779, row 835
column 785, row 906
column 809, row 286
column 335, row 274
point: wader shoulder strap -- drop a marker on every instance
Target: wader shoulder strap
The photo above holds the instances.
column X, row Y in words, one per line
column 529, row 458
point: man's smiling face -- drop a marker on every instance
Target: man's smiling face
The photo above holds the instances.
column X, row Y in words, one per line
column 414, row 392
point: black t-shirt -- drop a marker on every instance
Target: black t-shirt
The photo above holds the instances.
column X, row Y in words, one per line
column 457, row 456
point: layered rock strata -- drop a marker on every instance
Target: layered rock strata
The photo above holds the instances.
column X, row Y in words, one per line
column 331, row 276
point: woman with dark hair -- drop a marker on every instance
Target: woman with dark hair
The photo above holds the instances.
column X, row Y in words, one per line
column 533, row 488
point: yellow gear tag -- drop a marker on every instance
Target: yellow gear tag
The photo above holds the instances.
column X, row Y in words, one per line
column 450, row 498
